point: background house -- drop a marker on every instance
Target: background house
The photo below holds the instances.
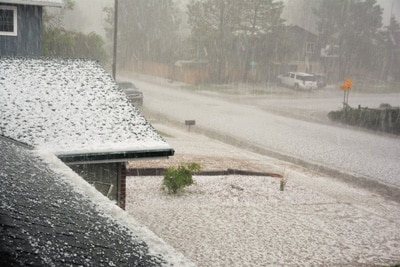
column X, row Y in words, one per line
column 21, row 26
column 304, row 56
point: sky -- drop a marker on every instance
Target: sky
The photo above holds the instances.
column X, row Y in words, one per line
column 390, row 7
column 92, row 13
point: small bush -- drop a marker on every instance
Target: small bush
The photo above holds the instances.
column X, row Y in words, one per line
column 176, row 179
column 385, row 119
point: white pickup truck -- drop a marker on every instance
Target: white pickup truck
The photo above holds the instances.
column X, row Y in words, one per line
column 298, row 80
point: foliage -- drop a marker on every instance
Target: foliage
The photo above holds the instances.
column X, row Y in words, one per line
column 353, row 27
column 147, row 31
column 54, row 20
column 389, row 47
column 232, row 33
column 60, row 43
column 176, row 179
column 213, row 24
column 385, row 120
column 261, row 33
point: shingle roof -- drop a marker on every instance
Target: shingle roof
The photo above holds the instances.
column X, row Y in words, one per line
column 55, row 3
column 71, row 107
column 45, row 221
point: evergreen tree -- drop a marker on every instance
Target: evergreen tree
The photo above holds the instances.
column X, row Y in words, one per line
column 260, row 33
column 352, row 26
column 213, row 25
column 231, row 34
column 147, row 31
column 390, row 50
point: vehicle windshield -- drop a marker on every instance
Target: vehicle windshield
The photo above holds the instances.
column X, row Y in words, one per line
column 126, row 85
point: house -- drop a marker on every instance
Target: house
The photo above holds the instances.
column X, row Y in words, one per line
column 21, row 26
column 304, row 54
column 75, row 110
column 49, row 216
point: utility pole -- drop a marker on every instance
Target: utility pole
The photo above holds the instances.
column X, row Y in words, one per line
column 114, row 65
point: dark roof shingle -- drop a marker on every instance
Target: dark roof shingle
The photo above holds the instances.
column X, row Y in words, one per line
column 45, row 221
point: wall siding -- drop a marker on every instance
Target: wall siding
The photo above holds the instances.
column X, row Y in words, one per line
column 28, row 41
column 102, row 176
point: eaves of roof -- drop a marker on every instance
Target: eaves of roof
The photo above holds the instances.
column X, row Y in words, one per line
column 115, row 157
column 2, row 137
column 48, row 218
column 51, row 3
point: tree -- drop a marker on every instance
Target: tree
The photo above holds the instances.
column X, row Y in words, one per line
column 54, row 20
column 352, row 26
column 147, row 30
column 232, row 34
column 57, row 42
column 390, row 47
column 260, row 32
column 213, row 25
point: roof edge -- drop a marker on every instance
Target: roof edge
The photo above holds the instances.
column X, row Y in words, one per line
column 33, row 3
column 121, row 156
column 9, row 139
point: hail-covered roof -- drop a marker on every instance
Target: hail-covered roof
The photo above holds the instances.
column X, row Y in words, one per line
column 70, row 106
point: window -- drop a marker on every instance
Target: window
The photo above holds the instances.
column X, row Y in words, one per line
column 308, row 78
column 310, row 48
column 8, row 20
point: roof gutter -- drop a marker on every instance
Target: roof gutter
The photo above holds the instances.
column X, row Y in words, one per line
column 115, row 157
column 34, row 3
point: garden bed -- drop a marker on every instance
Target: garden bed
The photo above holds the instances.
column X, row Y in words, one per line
column 385, row 119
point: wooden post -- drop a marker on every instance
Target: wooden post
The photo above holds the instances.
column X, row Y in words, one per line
column 190, row 123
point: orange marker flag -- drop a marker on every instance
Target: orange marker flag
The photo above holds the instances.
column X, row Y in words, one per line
column 348, row 84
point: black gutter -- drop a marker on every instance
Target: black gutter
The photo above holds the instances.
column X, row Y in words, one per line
column 118, row 156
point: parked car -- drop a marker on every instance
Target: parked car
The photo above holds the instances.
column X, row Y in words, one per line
column 320, row 79
column 298, row 80
column 132, row 93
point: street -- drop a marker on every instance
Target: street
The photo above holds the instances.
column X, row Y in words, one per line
column 290, row 128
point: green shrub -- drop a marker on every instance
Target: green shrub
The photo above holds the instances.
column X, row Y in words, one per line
column 385, row 120
column 176, row 179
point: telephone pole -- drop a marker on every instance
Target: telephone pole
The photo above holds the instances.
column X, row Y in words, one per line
column 114, row 65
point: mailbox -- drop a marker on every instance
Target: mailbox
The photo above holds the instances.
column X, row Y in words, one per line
column 189, row 123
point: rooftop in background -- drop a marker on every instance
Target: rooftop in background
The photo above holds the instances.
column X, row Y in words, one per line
column 71, row 107
column 54, row 3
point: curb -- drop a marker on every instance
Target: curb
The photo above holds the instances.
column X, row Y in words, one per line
column 161, row 171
